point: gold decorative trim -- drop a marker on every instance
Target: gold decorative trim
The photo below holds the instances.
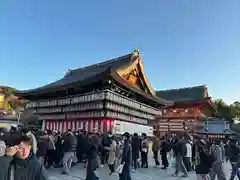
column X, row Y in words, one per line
column 126, row 70
column 139, row 74
column 145, row 77
column 137, row 64
column 206, row 92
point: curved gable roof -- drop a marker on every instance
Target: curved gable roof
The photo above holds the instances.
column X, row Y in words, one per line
column 81, row 74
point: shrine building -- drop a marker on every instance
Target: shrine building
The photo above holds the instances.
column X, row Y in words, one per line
column 93, row 98
column 191, row 105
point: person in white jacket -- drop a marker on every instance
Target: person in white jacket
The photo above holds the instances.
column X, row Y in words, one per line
column 32, row 138
column 188, row 157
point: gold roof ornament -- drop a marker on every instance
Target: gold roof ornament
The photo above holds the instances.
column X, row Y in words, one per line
column 206, row 92
column 68, row 72
column 135, row 53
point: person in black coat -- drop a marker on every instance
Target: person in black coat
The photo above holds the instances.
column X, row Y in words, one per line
column 136, row 145
column 42, row 148
column 69, row 149
column 126, row 158
column 59, row 151
column 80, row 146
column 233, row 153
column 20, row 163
column 92, row 153
column 165, row 148
column 106, row 142
column 202, row 159
column 180, row 150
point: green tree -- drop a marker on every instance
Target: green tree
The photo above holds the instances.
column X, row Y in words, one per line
column 227, row 111
column 13, row 101
column 235, row 109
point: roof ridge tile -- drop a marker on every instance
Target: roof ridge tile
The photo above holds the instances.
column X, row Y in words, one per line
column 101, row 63
column 184, row 88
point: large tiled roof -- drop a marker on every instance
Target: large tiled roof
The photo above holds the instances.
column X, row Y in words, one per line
column 95, row 73
column 184, row 94
column 87, row 72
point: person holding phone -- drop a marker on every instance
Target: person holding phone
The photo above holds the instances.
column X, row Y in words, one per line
column 20, row 163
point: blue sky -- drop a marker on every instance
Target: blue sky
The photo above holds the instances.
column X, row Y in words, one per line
column 183, row 42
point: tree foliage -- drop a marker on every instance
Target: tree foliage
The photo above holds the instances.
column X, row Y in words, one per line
column 226, row 111
column 9, row 97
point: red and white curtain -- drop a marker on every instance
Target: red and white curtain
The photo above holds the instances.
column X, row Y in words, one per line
column 90, row 125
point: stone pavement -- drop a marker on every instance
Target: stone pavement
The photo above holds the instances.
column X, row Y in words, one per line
column 78, row 173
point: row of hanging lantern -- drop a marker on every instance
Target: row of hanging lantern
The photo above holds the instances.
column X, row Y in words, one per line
column 115, row 97
column 53, row 116
column 85, row 114
column 66, row 101
column 90, row 97
column 62, row 102
column 125, row 117
column 47, row 103
column 48, row 110
column 96, row 96
column 77, row 107
column 84, row 107
column 127, row 110
column 74, row 115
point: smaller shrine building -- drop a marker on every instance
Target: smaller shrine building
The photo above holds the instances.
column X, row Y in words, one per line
column 191, row 105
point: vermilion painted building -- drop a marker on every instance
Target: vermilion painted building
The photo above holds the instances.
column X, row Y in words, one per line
column 191, row 105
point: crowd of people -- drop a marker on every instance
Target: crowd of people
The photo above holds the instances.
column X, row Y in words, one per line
column 25, row 155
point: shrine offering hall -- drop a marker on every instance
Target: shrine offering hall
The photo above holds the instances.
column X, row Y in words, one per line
column 97, row 97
